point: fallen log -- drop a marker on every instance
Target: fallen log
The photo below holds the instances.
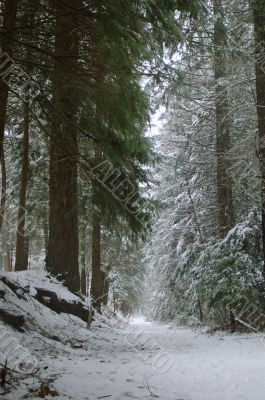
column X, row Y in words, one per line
column 51, row 300
column 15, row 287
column 2, row 294
column 48, row 298
column 13, row 319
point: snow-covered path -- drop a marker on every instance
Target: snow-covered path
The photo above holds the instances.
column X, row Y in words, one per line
column 144, row 361
column 117, row 360
column 181, row 364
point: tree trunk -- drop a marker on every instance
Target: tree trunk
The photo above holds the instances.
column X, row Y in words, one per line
column 83, row 281
column 21, row 263
column 259, row 33
column 105, row 298
column 22, row 239
column 232, row 321
column 98, row 276
column 96, row 290
column 226, row 217
column 46, row 235
column 7, row 32
column 83, row 263
column 7, row 244
column 62, row 258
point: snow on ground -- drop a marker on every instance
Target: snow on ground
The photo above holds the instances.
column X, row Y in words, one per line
column 181, row 364
column 118, row 360
column 38, row 279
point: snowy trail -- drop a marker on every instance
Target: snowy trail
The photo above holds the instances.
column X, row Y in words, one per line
column 199, row 367
column 139, row 360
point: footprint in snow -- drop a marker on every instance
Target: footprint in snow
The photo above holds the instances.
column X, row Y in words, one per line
column 129, row 395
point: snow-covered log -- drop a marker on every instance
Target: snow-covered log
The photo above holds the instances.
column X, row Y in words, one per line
column 29, row 286
column 14, row 319
column 51, row 300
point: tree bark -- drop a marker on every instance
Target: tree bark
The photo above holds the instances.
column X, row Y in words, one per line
column 105, row 298
column 21, row 263
column 259, row 38
column 62, row 258
column 22, row 239
column 7, row 244
column 7, row 32
column 226, row 216
column 83, row 262
column 96, row 290
column 98, row 276
column 83, row 281
column 46, row 235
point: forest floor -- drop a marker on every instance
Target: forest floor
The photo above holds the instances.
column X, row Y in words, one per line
column 118, row 360
column 173, row 364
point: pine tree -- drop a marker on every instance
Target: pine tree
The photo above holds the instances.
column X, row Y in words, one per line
column 259, row 20
column 6, row 43
column 62, row 256
column 196, row 275
column 22, row 239
column 224, row 184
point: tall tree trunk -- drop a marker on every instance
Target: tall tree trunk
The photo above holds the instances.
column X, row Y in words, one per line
column 22, row 239
column 259, row 33
column 226, row 216
column 83, row 262
column 96, row 290
column 7, row 241
column 98, row 276
column 62, row 258
column 83, row 281
column 105, row 298
column 46, row 235
column 7, row 32
column 21, row 263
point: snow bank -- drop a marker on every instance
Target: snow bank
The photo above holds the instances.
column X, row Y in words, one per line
column 40, row 279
